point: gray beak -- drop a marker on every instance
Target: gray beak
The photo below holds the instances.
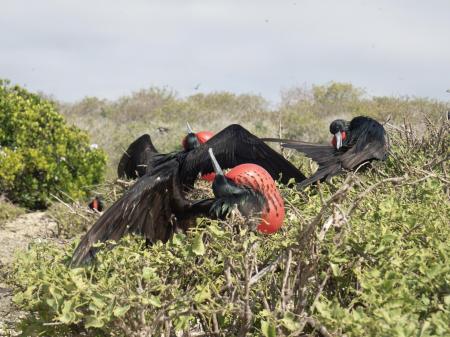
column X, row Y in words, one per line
column 338, row 136
column 189, row 128
column 216, row 165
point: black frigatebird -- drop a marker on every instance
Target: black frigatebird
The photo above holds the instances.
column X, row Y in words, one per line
column 354, row 143
column 139, row 156
column 232, row 146
column 156, row 207
column 97, row 204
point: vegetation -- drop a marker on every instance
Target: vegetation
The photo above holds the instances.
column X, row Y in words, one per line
column 40, row 154
column 368, row 255
column 303, row 113
column 8, row 211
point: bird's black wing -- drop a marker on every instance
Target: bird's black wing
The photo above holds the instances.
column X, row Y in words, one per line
column 332, row 162
column 235, row 145
column 320, row 153
column 326, row 156
column 152, row 207
column 136, row 158
column 368, row 140
column 358, row 155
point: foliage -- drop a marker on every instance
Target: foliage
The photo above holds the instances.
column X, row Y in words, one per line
column 366, row 256
column 162, row 114
column 306, row 112
column 40, row 154
column 75, row 218
column 303, row 113
column 8, row 211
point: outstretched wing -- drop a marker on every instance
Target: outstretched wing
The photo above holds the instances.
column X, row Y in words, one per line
column 326, row 156
column 320, row 153
column 147, row 208
column 134, row 161
column 235, row 145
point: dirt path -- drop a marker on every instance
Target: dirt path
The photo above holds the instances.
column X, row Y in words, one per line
column 17, row 235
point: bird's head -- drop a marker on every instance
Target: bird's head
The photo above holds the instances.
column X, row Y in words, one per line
column 339, row 129
column 195, row 139
column 245, row 177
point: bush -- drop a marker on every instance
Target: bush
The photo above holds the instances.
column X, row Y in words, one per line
column 163, row 114
column 40, row 154
column 72, row 219
column 8, row 211
column 367, row 256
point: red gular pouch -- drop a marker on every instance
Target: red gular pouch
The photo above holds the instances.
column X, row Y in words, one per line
column 334, row 141
column 257, row 178
column 208, row 177
column 202, row 137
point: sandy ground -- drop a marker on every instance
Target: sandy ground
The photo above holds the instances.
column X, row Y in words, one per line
column 17, row 235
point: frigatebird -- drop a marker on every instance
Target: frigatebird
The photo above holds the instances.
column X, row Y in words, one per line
column 156, row 207
column 233, row 145
column 361, row 140
column 138, row 158
column 97, row 204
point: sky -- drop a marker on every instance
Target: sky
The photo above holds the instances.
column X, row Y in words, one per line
column 72, row 49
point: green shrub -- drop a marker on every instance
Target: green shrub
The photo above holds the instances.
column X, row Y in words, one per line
column 40, row 154
column 8, row 211
column 74, row 218
column 380, row 269
column 163, row 114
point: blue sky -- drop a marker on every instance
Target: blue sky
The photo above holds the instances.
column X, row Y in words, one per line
column 71, row 49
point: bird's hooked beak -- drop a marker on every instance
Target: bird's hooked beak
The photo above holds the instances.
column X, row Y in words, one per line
column 189, row 129
column 216, row 166
column 338, row 136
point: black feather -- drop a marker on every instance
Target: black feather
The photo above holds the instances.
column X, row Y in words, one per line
column 366, row 141
column 235, row 145
column 153, row 207
column 137, row 158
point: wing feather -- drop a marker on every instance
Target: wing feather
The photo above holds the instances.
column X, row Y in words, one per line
column 136, row 158
column 235, row 145
column 146, row 209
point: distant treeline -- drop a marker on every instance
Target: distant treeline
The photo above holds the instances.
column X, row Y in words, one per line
column 303, row 113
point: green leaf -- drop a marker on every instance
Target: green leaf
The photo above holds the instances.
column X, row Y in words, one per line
column 268, row 329
column 447, row 300
column 335, row 268
column 203, row 294
column 198, row 247
column 178, row 239
column 120, row 311
column 155, row 301
column 216, row 230
column 98, row 301
column 182, row 322
column 290, row 322
column 93, row 322
column 149, row 273
column 67, row 317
